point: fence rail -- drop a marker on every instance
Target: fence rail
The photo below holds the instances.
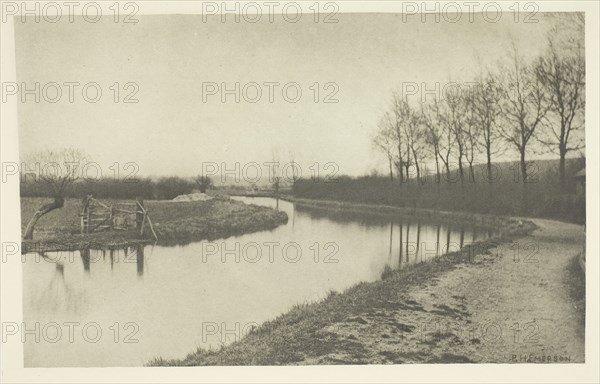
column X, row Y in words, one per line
column 96, row 215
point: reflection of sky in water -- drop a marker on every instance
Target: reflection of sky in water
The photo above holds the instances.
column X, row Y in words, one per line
column 173, row 293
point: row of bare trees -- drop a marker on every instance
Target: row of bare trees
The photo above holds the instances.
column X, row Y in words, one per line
column 525, row 103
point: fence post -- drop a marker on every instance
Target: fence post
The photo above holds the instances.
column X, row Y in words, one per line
column 139, row 215
column 89, row 216
column 84, row 212
column 111, row 217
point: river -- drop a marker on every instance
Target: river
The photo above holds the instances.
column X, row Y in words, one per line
column 102, row 308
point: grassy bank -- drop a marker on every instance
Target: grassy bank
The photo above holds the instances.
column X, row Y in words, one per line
column 174, row 222
column 303, row 335
column 182, row 222
column 575, row 283
column 499, row 224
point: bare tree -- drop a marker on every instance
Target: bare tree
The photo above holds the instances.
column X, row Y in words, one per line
column 486, row 113
column 432, row 119
column 384, row 141
column 562, row 73
column 447, row 139
column 456, row 120
column 58, row 169
column 296, row 170
column 471, row 132
column 524, row 106
column 414, row 134
column 401, row 114
column 203, row 183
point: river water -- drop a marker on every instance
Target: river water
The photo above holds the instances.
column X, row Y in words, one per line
column 102, row 308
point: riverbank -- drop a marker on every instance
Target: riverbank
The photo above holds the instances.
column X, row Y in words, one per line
column 503, row 300
column 542, row 197
column 498, row 224
column 175, row 223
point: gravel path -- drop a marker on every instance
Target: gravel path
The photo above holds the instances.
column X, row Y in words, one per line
column 507, row 306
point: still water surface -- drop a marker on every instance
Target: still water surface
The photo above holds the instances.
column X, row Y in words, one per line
column 124, row 307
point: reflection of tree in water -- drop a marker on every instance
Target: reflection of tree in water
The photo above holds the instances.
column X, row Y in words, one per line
column 59, row 295
column 410, row 242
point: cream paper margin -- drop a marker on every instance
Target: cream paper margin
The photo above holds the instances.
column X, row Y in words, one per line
column 11, row 269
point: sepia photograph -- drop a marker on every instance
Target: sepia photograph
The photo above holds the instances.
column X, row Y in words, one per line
column 359, row 185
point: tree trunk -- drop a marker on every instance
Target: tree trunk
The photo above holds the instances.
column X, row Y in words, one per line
column 488, row 151
column 407, row 164
column 523, row 166
column 417, row 167
column 471, row 172
column 401, row 172
column 400, row 162
column 524, row 196
column 418, row 173
column 57, row 203
column 561, row 167
column 391, row 169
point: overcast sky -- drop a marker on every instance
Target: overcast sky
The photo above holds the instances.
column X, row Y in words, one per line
column 172, row 131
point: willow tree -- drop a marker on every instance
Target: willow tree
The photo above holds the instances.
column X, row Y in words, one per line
column 57, row 170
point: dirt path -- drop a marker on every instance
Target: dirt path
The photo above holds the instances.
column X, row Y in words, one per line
column 506, row 306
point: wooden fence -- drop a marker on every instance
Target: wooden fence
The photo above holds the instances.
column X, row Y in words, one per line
column 97, row 216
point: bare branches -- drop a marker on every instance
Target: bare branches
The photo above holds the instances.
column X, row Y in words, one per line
column 561, row 71
column 524, row 105
column 59, row 169
column 401, row 136
column 384, row 140
column 203, row 183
